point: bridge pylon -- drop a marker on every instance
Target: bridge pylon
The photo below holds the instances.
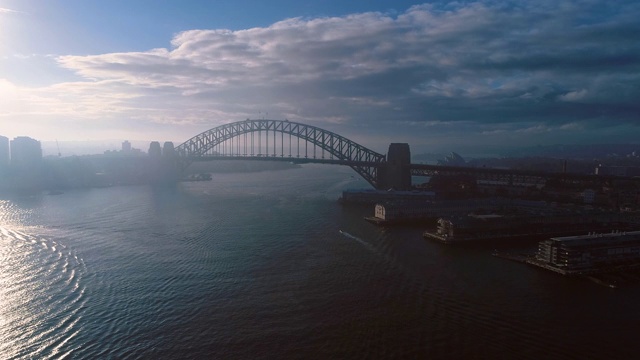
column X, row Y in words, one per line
column 395, row 173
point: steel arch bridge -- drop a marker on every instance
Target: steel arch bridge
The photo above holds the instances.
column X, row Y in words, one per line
column 252, row 139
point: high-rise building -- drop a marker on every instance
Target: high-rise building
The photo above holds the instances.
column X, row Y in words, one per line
column 155, row 151
column 25, row 152
column 4, row 151
column 126, row 147
column 168, row 150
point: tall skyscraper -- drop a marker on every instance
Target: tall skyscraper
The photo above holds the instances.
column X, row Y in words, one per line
column 155, row 151
column 168, row 150
column 25, row 152
column 4, row 151
column 126, row 147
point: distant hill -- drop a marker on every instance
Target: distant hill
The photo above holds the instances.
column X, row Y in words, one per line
column 552, row 158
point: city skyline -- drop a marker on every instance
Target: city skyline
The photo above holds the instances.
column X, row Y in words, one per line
column 435, row 75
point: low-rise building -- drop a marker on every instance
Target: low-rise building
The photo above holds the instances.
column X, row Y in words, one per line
column 472, row 228
column 372, row 196
column 400, row 211
column 590, row 253
column 617, row 170
column 407, row 211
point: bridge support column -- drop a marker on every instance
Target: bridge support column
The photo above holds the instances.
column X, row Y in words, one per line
column 396, row 172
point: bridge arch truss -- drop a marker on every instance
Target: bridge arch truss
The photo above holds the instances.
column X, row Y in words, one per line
column 364, row 161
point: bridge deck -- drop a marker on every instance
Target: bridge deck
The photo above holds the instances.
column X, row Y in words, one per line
column 286, row 158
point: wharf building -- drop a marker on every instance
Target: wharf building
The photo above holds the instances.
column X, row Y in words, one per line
column 372, row 196
column 588, row 254
column 406, row 210
column 474, row 228
column 617, row 170
column 410, row 210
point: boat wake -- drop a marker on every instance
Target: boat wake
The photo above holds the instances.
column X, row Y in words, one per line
column 357, row 239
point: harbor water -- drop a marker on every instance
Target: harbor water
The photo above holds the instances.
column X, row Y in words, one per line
column 270, row 265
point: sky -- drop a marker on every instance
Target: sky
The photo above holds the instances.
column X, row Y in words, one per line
column 439, row 75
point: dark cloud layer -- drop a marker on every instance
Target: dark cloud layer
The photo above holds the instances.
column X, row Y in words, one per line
column 503, row 71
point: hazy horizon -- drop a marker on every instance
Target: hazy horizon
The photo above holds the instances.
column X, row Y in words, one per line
column 96, row 147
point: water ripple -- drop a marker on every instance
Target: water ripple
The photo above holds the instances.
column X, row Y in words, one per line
column 42, row 296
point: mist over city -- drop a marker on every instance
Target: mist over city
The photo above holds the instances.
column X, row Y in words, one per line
column 306, row 179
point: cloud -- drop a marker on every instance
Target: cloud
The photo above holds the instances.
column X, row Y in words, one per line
column 10, row 11
column 510, row 67
column 574, row 95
